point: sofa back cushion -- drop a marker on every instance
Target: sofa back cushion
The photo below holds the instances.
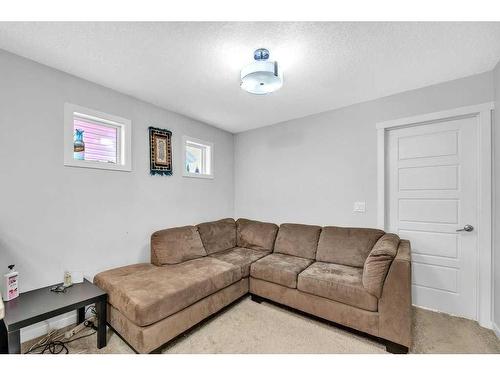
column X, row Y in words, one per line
column 176, row 245
column 378, row 262
column 255, row 234
column 218, row 235
column 347, row 246
column 298, row 240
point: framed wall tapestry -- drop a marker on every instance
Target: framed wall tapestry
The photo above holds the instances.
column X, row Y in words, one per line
column 160, row 151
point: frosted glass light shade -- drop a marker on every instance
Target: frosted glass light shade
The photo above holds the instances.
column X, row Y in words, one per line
column 261, row 77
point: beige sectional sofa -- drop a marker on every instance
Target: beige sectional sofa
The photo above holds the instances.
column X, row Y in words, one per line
column 358, row 278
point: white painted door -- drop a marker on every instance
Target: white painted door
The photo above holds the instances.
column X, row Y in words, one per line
column 432, row 179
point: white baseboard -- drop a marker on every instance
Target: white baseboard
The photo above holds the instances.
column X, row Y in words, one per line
column 42, row 328
column 496, row 329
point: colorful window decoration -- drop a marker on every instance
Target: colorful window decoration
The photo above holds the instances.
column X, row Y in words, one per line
column 95, row 140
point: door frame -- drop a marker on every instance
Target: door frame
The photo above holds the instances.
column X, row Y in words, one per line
column 484, row 189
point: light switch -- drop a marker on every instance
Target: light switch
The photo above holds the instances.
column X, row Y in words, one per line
column 359, row 207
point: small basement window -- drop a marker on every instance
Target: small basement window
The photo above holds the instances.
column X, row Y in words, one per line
column 198, row 158
column 96, row 140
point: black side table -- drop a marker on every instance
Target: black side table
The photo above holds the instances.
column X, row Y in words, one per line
column 41, row 304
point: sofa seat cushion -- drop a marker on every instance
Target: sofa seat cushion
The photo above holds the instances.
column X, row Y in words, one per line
column 347, row 246
column 337, row 282
column 218, row 235
column 299, row 240
column 176, row 245
column 146, row 295
column 279, row 268
column 242, row 257
column 255, row 234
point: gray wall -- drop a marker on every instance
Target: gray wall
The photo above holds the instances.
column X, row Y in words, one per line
column 55, row 218
column 312, row 170
column 496, row 200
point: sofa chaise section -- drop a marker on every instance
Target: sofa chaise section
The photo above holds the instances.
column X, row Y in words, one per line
column 148, row 303
column 152, row 337
column 148, row 296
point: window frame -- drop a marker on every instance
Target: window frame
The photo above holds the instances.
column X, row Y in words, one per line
column 124, row 142
column 204, row 145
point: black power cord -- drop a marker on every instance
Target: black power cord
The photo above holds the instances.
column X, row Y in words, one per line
column 58, row 346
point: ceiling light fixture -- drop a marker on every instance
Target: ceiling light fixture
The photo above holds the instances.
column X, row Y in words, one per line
column 262, row 76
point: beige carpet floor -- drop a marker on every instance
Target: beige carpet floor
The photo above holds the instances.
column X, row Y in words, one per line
column 248, row 327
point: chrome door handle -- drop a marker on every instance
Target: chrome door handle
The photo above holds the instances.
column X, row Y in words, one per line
column 466, row 228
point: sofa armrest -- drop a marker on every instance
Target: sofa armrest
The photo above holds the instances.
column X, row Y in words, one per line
column 395, row 308
column 378, row 262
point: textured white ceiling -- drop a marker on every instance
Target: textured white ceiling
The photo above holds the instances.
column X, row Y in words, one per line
column 193, row 67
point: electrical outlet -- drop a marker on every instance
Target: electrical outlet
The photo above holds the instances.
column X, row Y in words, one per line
column 359, row 207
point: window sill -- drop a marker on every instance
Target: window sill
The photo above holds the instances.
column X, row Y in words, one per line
column 97, row 165
column 196, row 175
